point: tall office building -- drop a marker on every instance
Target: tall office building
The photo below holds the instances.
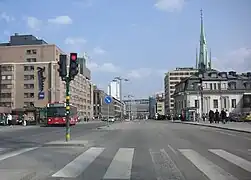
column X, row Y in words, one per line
column 114, row 89
column 171, row 79
column 19, row 60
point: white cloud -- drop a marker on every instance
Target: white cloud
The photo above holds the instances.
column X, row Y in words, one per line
column 34, row 23
column 105, row 67
column 140, row 73
column 170, row 5
column 6, row 17
column 75, row 41
column 99, row 50
column 61, row 20
column 238, row 60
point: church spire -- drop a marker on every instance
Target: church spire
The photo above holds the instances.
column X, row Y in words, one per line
column 202, row 66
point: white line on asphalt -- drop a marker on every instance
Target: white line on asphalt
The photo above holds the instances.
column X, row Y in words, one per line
column 211, row 170
column 238, row 161
column 121, row 165
column 15, row 153
column 172, row 149
column 227, row 134
column 78, row 165
column 164, row 167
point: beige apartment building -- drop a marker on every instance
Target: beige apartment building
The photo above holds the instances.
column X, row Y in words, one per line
column 19, row 60
column 171, row 79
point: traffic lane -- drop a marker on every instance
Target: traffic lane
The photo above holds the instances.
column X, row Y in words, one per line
column 208, row 143
column 211, row 137
column 154, row 157
column 30, row 137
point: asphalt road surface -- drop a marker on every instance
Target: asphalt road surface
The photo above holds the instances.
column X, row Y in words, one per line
column 140, row 150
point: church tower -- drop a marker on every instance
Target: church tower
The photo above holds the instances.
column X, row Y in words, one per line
column 203, row 63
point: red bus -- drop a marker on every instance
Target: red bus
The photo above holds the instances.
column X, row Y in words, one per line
column 56, row 114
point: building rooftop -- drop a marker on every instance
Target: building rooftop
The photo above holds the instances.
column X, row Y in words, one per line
column 19, row 40
column 241, row 81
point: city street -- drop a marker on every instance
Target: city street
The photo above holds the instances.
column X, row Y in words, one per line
column 138, row 150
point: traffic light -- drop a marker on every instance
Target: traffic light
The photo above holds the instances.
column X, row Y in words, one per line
column 62, row 66
column 73, row 71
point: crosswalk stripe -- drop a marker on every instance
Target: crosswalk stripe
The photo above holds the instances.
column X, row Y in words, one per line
column 238, row 161
column 121, row 165
column 78, row 165
column 165, row 168
column 211, row 170
column 15, row 153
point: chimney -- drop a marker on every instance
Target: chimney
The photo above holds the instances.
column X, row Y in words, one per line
column 232, row 73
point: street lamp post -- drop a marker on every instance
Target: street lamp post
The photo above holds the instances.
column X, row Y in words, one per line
column 130, row 105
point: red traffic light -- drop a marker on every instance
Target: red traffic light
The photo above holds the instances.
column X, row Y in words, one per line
column 73, row 56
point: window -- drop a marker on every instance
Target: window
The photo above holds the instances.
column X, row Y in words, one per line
column 211, row 86
column 219, row 86
column 233, row 103
column 6, row 77
column 31, row 60
column 215, row 103
column 224, row 102
column 6, row 86
column 28, row 77
column 5, row 95
column 28, row 104
column 196, row 103
column 28, row 95
column 7, row 68
column 28, row 86
column 28, row 51
column 28, row 68
column 34, row 51
column 31, row 51
column 215, row 86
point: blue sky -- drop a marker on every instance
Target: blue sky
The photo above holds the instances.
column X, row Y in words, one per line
column 138, row 39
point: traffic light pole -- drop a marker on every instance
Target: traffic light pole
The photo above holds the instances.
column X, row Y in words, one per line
column 67, row 133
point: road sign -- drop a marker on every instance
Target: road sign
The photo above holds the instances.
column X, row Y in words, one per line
column 41, row 95
column 108, row 99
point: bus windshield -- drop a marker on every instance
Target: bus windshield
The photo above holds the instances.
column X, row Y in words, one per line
column 56, row 112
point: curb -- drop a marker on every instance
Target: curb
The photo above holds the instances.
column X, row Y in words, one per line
column 217, row 127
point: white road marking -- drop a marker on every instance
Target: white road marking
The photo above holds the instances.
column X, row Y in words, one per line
column 227, row 133
column 78, row 165
column 211, row 170
column 15, row 153
column 172, row 149
column 238, row 161
column 165, row 168
column 121, row 165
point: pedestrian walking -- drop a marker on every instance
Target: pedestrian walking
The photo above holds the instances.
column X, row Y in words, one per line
column 217, row 116
column 223, row 116
column 211, row 116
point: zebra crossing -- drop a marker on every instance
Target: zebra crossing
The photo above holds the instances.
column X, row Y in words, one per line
column 121, row 163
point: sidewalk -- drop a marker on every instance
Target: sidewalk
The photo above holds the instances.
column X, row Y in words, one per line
column 234, row 126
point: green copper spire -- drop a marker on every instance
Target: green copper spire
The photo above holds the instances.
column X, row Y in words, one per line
column 202, row 66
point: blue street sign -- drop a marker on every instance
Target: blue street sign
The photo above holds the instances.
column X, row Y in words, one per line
column 108, row 99
column 41, row 95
